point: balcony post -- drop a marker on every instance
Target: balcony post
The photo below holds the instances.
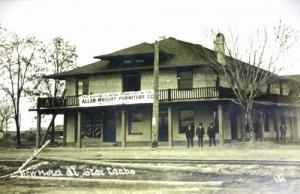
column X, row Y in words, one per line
column 170, row 127
column 262, row 125
column 295, row 126
column 123, row 114
column 65, row 129
column 220, row 122
column 79, row 129
column 280, row 87
column 276, row 124
column 38, row 129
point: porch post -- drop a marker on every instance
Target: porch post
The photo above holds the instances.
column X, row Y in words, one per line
column 79, row 129
column 65, row 129
column 220, row 122
column 52, row 130
column 295, row 124
column 170, row 131
column 276, row 124
column 292, row 124
column 123, row 127
column 262, row 126
column 243, row 127
column 38, row 129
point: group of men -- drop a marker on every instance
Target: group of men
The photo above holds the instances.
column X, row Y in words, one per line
column 200, row 132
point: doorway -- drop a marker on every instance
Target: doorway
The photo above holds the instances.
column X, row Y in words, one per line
column 233, row 118
column 163, row 126
column 109, row 127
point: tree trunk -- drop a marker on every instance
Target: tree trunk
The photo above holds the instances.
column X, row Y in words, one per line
column 17, row 120
column 251, row 127
column 18, row 137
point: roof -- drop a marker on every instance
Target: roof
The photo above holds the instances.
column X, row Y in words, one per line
column 173, row 53
column 295, row 77
column 142, row 48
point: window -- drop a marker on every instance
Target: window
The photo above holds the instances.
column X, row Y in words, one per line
column 186, row 117
column 131, row 82
column 82, row 87
column 91, row 125
column 135, row 125
column 185, row 79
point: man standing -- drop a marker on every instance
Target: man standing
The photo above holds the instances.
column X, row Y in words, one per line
column 200, row 133
column 189, row 133
column 211, row 132
column 282, row 132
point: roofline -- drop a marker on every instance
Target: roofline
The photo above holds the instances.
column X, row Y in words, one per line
column 61, row 77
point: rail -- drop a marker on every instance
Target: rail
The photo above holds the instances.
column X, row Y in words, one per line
column 164, row 96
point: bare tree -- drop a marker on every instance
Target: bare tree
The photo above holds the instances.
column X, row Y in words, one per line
column 59, row 56
column 6, row 114
column 19, row 66
column 262, row 54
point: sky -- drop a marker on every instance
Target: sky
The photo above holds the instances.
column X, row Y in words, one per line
column 103, row 26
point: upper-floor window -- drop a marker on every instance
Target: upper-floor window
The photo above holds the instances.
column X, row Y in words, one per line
column 82, row 87
column 185, row 79
column 131, row 82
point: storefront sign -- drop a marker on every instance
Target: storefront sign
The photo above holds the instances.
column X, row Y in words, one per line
column 116, row 98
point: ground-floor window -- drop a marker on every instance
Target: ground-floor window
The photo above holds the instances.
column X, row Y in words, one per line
column 186, row 117
column 91, row 125
column 135, row 124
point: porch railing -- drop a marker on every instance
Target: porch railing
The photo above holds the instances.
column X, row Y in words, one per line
column 164, row 96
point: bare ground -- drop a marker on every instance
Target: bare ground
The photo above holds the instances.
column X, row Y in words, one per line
column 236, row 178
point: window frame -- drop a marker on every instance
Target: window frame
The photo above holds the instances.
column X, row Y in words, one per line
column 188, row 79
column 127, row 76
column 139, row 118
column 85, row 86
column 182, row 128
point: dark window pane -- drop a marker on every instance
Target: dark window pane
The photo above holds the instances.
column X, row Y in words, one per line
column 186, row 117
column 82, row 87
column 131, row 82
column 135, row 124
column 185, row 79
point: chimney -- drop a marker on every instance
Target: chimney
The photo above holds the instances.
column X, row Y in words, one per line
column 219, row 44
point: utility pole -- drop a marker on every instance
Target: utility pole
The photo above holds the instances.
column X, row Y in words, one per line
column 155, row 108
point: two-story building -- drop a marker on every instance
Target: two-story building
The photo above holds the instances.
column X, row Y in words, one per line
column 109, row 102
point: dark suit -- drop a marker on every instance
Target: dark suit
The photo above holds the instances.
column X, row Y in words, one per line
column 190, row 133
column 200, row 133
column 282, row 132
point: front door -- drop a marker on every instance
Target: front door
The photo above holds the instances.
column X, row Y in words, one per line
column 163, row 126
column 109, row 127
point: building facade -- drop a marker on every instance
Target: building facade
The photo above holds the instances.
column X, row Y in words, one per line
column 109, row 102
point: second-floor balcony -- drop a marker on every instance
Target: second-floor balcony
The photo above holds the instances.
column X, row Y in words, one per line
column 167, row 95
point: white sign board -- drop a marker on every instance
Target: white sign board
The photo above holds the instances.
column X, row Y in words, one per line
column 116, row 98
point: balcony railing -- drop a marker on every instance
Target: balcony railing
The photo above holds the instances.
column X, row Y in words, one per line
column 186, row 94
column 164, row 96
